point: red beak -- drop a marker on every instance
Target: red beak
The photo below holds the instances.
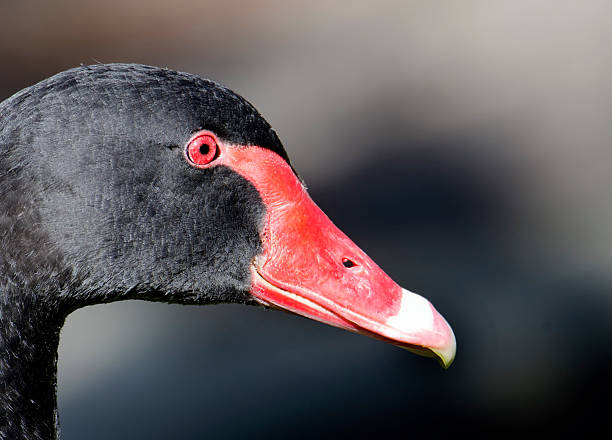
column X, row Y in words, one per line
column 311, row 268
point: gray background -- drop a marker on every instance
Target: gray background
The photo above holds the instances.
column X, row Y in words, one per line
column 464, row 145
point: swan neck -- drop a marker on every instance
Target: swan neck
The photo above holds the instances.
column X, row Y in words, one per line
column 29, row 341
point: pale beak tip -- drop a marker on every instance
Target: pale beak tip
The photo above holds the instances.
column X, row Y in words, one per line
column 425, row 327
column 446, row 355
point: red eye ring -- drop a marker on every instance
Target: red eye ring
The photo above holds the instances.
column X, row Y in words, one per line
column 202, row 149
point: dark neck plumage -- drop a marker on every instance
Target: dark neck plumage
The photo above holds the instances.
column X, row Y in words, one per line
column 32, row 312
column 29, row 338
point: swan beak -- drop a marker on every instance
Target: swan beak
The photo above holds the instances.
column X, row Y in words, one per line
column 417, row 326
column 311, row 268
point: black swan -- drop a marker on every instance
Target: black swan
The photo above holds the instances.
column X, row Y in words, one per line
column 134, row 182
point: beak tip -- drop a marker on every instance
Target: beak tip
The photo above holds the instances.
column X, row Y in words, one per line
column 425, row 327
column 446, row 355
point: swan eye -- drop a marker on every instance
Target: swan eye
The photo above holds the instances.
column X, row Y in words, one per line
column 202, row 150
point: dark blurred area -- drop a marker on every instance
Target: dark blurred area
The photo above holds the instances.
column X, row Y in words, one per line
column 465, row 146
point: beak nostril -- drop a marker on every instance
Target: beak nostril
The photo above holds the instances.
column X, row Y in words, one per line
column 348, row 263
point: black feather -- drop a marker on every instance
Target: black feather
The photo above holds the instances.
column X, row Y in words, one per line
column 98, row 204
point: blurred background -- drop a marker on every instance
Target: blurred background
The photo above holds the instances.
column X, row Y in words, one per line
column 464, row 145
